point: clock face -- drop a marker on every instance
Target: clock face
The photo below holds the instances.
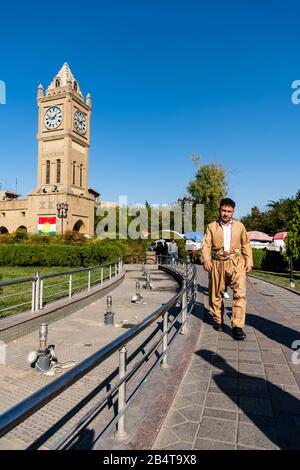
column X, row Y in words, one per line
column 53, row 117
column 80, row 122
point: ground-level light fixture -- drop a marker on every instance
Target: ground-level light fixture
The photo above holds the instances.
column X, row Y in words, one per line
column 109, row 315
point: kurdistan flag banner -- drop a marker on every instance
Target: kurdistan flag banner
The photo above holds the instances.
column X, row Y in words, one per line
column 47, row 225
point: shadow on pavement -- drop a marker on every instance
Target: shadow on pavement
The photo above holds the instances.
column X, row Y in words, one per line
column 277, row 415
column 275, row 331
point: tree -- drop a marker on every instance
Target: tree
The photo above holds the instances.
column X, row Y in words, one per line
column 208, row 188
column 254, row 221
column 293, row 239
column 275, row 219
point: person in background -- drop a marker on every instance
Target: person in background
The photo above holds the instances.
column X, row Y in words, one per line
column 173, row 251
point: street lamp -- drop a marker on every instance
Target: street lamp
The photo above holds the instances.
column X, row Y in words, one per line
column 62, row 211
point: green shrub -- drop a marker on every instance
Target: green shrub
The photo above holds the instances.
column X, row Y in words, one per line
column 58, row 255
column 182, row 253
column 196, row 258
column 267, row 260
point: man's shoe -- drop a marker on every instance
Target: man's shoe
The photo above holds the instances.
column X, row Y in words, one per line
column 217, row 326
column 238, row 333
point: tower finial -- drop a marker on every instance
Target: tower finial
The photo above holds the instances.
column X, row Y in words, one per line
column 40, row 91
column 88, row 100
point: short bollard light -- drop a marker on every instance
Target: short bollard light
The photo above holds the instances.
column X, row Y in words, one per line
column 137, row 288
column 42, row 359
column 147, row 284
column 139, row 298
column 109, row 315
column 43, row 335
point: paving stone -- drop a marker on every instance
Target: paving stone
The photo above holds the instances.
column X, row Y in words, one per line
column 263, row 437
column 174, row 418
column 268, row 344
column 229, row 392
column 217, row 429
column 166, row 438
column 179, row 446
column 221, row 414
column 180, row 402
column 187, row 389
column 196, row 398
column 273, row 357
column 195, row 378
column 192, row 413
column 226, row 370
column 248, row 346
column 224, row 382
column 251, row 369
column 256, row 406
column 205, row 444
column 256, row 419
column 249, row 356
column 240, row 447
column 284, row 403
column 228, row 354
column 280, row 376
column 254, row 383
column 227, row 345
column 221, row 402
column 186, row 432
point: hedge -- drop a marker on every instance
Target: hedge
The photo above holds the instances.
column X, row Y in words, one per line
column 267, row 260
column 58, row 255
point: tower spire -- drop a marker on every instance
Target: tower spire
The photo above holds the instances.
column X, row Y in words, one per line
column 65, row 78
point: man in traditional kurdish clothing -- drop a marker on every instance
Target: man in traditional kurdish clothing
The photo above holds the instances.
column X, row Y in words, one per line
column 227, row 256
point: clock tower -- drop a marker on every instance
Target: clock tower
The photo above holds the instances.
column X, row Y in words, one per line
column 63, row 151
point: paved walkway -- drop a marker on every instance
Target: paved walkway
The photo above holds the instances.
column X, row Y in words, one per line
column 241, row 395
column 76, row 337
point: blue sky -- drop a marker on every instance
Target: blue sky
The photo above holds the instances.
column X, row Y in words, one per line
column 167, row 79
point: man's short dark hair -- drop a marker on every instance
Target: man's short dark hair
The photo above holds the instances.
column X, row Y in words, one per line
column 227, row 202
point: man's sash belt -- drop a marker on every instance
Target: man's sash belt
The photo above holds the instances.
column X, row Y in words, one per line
column 222, row 255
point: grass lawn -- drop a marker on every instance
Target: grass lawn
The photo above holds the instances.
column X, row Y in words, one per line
column 282, row 279
column 17, row 298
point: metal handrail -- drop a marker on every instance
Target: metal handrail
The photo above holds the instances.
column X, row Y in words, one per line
column 23, row 410
column 63, row 273
column 38, row 284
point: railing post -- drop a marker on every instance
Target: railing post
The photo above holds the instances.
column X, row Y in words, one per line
column 33, row 296
column 116, row 269
column 70, row 286
column 101, row 276
column 195, row 288
column 41, row 293
column 89, row 280
column 184, row 306
column 37, row 291
column 110, row 271
column 164, row 363
column 120, row 432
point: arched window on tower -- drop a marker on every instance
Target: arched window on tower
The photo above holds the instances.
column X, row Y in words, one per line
column 57, row 83
column 58, row 170
column 75, row 86
column 47, row 171
column 74, row 172
column 81, row 176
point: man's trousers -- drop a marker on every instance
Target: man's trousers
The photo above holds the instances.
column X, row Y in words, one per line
column 228, row 273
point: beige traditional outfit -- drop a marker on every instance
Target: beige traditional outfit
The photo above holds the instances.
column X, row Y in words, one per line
column 229, row 249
